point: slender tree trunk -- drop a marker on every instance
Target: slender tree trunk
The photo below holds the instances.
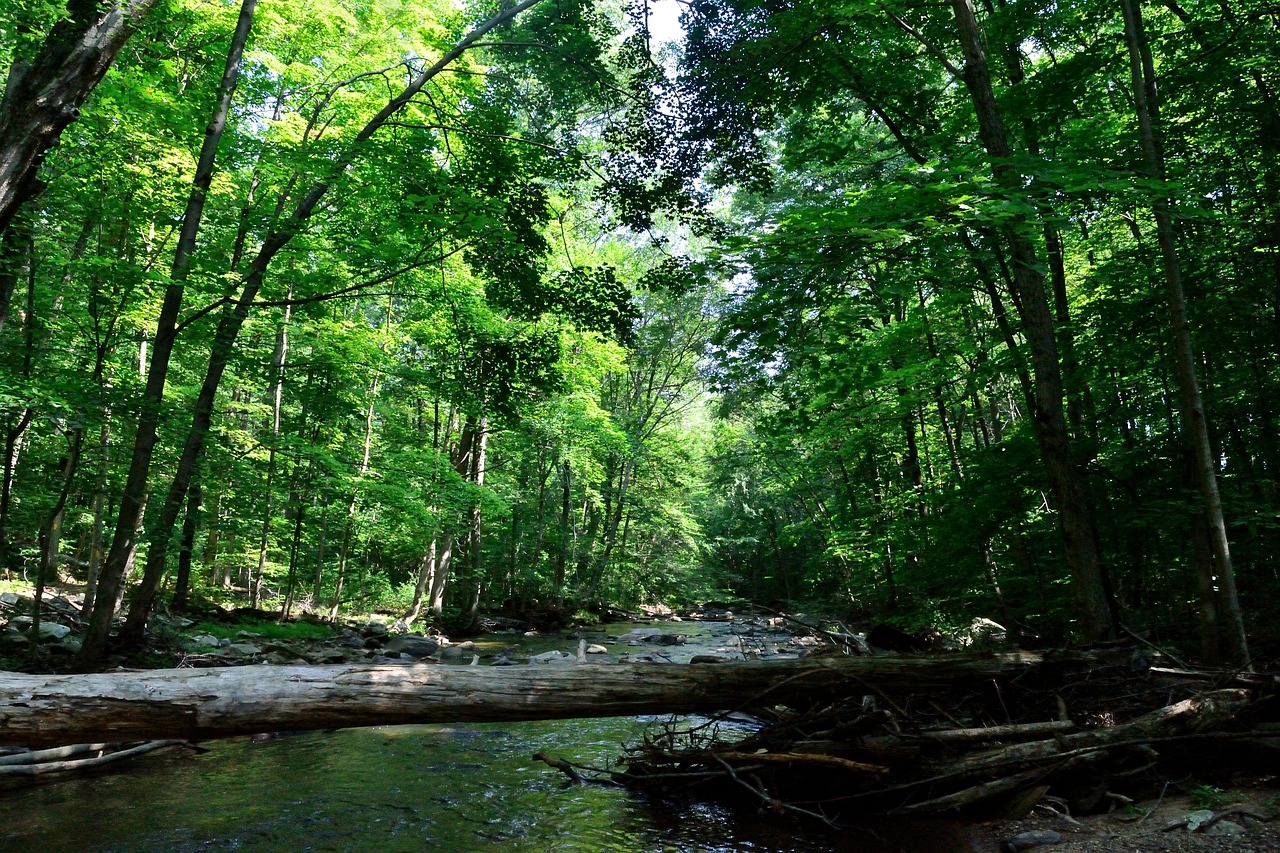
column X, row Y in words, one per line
column 348, row 524
column 124, row 542
column 1066, row 479
column 1194, row 423
column 182, row 584
column 441, row 578
column 278, row 359
column 99, row 514
column 426, row 574
column 221, row 351
column 295, row 546
column 562, row 552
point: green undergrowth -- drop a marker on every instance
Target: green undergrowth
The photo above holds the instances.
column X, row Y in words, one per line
column 267, row 629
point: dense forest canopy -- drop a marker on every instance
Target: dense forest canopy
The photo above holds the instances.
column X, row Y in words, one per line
column 926, row 312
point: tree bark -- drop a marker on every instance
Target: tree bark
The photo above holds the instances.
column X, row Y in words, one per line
column 1065, row 477
column 227, row 332
column 41, row 710
column 124, row 541
column 44, row 95
column 1194, row 422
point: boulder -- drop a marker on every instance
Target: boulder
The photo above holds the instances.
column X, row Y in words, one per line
column 53, row 631
column 597, row 649
column 48, row 630
column 413, row 645
column 204, row 640
column 553, row 656
column 247, row 649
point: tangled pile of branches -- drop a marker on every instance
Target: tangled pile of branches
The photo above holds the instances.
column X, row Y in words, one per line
column 1108, row 730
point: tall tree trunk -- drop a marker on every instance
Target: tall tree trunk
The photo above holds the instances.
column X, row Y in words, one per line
column 99, row 514
column 124, row 542
column 426, row 574
column 478, row 461
column 441, row 578
column 1194, row 423
column 562, row 552
column 300, row 502
column 228, row 330
column 1066, row 479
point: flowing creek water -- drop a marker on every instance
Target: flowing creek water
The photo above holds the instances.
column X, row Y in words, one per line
column 450, row 788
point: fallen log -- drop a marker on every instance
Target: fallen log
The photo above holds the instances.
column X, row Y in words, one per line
column 195, row 704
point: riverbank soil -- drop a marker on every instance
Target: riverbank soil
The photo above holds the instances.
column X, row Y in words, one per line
column 1248, row 825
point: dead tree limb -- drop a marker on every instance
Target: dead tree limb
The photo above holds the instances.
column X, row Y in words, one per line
column 194, row 704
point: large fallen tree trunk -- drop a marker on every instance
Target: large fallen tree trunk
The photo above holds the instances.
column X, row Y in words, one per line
column 39, row 710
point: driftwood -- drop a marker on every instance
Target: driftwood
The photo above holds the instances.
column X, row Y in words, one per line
column 43, row 761
column 194, row 704
column 851, row 759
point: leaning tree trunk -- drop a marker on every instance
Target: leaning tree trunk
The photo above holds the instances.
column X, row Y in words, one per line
column 1191, row 404
column 37, row 710
column 133, row 500
column 1066, row 479
column 44, row 95
column 228, row 330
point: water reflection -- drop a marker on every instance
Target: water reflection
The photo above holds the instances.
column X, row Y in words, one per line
column 409, row 788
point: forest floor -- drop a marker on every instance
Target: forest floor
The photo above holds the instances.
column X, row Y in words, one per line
column 1154, row 828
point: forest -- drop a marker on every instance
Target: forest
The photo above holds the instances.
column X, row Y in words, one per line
column 909, row 312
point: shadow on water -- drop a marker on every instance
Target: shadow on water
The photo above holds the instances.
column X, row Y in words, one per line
column 408, row 788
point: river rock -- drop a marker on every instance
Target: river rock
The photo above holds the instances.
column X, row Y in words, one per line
column 48, row 630
column 283, row 658
column 639, row 635
column 597, row 649
column 1225, row 829
column 292, row 654
column 1029, row 840
column 53, row 631
column 1197, row 818
column 246, row 649
column 553, row 656
column 12, row 639
column 68, row 645
column 204, row 640
column 413, row 645
column 10, row 599
column 374, row 629
column 331, row 656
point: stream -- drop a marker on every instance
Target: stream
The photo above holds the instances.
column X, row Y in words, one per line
column 451, row 788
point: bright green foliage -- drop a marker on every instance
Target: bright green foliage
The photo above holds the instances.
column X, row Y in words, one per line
column 582, row 325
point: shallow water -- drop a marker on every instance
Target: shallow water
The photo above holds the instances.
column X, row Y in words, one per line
column 450, row 788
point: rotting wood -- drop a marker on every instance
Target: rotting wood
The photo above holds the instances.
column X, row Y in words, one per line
column 194, row 704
